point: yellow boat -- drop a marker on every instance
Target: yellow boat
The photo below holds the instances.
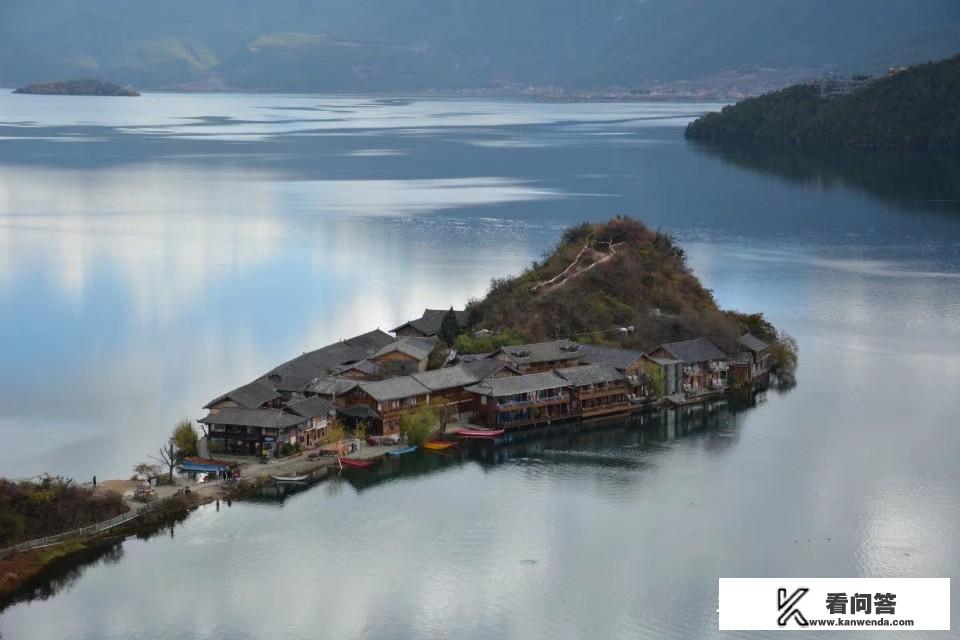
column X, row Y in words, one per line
column 438, row 445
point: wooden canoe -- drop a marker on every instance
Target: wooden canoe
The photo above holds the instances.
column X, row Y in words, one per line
column 479, row 433
column 355, row 464
column 439, row 445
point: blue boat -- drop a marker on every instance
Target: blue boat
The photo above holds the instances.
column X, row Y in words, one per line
column 400, row 452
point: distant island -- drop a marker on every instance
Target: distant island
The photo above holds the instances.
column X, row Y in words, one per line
column 85, row 87
column 916, row 107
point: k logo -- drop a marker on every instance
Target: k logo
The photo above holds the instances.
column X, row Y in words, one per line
column 788, row 606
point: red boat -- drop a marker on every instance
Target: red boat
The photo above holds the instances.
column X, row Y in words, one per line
column 479, row 433
column 355, row 464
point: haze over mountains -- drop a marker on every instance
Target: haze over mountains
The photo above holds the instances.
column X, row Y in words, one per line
column 449, row 44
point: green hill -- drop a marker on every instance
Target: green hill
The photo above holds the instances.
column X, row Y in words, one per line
column 916, row 108
column 604, row 277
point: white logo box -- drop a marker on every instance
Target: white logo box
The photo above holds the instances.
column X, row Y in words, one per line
column 768, row 604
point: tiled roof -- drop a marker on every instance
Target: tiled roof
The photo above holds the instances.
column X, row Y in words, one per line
column 429, row 323
column 514, row 385
column 486, row 367
column 330, row 386
column 295, row 373
column 270, row 418
column 539, row 352
column 250, row 396
column 696, row 350
column 752, row 342
column 415, row 347
column 446, row 378
column 394, row 388
column 590, row 374
column 311, row 407
column 367, row 367
column 613, row 356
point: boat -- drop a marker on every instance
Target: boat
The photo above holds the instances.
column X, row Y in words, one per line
column 355, row 464
column 400, row 452
column 290, row 478
column 479, row 433
column 439, row 445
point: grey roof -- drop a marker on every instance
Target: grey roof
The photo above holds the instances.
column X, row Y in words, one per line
column 542, row 351
column 486, row 367
column 696, row 350
column 394, row 388
column 293, row 374
column 416, row 347
column 752, row 342
column 250, row 396
column 446, row 378
column 360, row 412
column 471, row 357
column 613, row 356
column 662, row 361
column 590, row 374
column 514, row 385
column 429, row 323
column 311, row 407
column 270, row 418
column 331, row 386
column 367, row 367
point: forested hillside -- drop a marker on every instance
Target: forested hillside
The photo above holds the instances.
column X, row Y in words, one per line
column 917, row 108
column 415, row 44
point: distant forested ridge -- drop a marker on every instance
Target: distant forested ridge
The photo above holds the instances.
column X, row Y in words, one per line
column 915, row 108
column 375, row 45
column 76, row 88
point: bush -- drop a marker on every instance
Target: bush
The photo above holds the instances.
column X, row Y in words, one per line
column 417, row 425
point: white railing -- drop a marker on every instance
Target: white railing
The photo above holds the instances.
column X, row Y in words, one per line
column 89, row 530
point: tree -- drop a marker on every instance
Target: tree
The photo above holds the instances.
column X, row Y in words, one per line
column 450, row 328
column 784, row 355
column 167, row 457
column 185, row 438
column 654, row 378
column 417, row 425
column 335, row 433
column 146, row 470
column 438, row 356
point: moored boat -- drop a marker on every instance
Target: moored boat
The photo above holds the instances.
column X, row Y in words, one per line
column 400, row 452
column 439, row 445
column 354, row 463
column 479, row 433
column 289, row 478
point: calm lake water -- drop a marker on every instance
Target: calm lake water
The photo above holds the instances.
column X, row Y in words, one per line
column 155, row 252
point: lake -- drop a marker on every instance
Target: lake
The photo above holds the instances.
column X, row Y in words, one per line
column 155, row 252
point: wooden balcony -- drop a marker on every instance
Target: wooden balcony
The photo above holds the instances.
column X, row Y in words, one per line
column 605, row 409
column 601, row 392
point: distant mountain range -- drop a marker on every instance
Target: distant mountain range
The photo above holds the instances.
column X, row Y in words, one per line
column 917, row 107
column 332, row 45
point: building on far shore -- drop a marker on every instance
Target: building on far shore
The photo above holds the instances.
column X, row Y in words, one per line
column 429, row 323
column 403, row 356
column 596, row 390
column 391, row 399
column 752, row 359
column 518, row 401
column 540, row 356
column 704, row 364
column 250, row 431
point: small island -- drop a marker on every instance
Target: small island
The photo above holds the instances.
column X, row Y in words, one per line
column 85, row 87
column 912, row 108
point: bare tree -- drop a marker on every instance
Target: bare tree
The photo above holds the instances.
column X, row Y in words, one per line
column 168, row 457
